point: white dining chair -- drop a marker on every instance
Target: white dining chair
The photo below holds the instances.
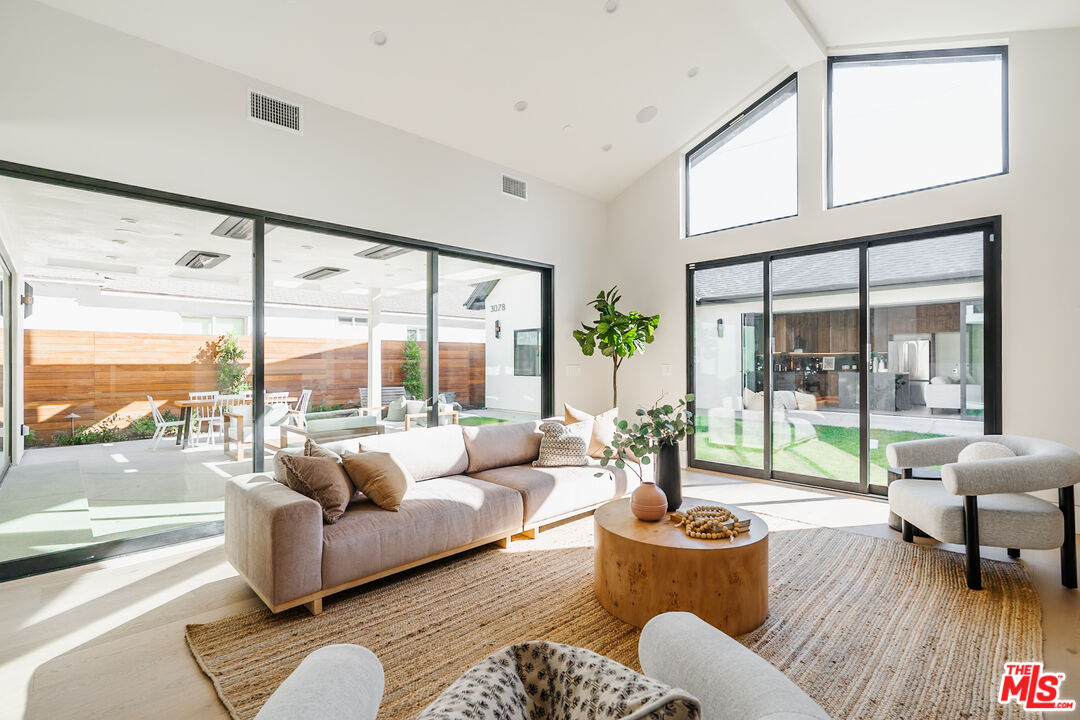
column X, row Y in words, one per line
column 211, row 414
column 160, row 423
column 277, row 398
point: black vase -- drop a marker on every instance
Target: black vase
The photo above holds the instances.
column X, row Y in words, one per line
column 669, row 474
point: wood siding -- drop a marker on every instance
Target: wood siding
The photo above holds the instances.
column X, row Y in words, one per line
column 98, row 374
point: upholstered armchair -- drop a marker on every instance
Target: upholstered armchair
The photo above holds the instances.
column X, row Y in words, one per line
column 983, row 496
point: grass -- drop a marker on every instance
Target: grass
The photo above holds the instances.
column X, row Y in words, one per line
column 834, row 453
column 479, row 420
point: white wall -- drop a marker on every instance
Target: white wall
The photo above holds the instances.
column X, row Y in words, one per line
column 82, row 98
column 515, row 304
column 1040, row 248
column 1041, row 244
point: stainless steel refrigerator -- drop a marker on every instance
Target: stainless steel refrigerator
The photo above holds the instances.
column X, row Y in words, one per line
column 911, row 354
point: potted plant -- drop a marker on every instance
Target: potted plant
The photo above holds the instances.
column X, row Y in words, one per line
column 619, row 335
column 659, row 433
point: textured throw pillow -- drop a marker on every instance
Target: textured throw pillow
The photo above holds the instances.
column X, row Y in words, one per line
column 564, row 444
column 379, row 476
column 603, row 430
column 984, row 451
column 395, row 412
column 321, row 479
column 313, row 449
column 414, row 406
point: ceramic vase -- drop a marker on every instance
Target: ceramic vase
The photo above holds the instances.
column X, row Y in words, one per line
column 648, row 502
column 669, row 474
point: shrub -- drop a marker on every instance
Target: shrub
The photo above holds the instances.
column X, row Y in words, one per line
column 412, row 369
column 231, row 372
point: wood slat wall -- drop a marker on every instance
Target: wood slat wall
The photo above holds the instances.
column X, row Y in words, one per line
column 97, row 374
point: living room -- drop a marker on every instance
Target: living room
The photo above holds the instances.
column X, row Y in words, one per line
column 229, row 234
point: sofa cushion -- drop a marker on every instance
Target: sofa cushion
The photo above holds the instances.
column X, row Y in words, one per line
column 553, row 492
column 426, row 453
column 1005, row 520
column 491, row 446
column 348, row 422
column 435, row 516
column 395, row 411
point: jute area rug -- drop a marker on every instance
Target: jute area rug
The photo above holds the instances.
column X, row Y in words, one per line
column 870, row 628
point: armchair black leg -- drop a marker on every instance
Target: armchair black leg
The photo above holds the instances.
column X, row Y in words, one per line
column 908, row 530
column 1014, row 552
column 971, row 540
column 1068, row 548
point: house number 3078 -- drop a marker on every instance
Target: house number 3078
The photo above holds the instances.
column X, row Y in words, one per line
column 498, row 307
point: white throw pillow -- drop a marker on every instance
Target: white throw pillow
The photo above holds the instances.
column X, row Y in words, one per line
column 564, row 445
column 984, row 451
column 747, row 398
column 805, row 401
column 603, row 430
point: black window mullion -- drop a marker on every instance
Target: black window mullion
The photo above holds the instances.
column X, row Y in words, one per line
column 433, row 336
column 258, row 346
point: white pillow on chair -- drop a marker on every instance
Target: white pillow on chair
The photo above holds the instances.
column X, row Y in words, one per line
column 984, row 451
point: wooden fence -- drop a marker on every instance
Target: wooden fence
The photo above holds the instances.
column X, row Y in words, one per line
column 98, row 374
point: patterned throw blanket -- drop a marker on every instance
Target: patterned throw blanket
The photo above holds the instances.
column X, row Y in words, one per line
column 549, row 681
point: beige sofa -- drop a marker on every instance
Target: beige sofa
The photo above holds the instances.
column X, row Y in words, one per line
column 475, row 485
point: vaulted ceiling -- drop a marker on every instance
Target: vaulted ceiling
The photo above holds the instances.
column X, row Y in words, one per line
column 453, row 71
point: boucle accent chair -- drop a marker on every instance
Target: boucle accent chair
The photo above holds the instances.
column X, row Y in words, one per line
column 986, row 501
column 340, row 682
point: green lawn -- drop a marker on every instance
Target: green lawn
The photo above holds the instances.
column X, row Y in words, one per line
column 478, row 420
column 834, row 453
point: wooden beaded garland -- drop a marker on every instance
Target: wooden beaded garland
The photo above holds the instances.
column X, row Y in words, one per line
column 710, row 522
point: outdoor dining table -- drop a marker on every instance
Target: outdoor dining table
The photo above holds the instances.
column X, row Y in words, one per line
column 183, row 434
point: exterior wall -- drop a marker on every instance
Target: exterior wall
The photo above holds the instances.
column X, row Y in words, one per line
column 1035, row 199
column 515, row 304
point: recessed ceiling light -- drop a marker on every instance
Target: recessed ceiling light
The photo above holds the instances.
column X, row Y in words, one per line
column 521, row 106
column 277, row 261
column 607, row 148
column 378, row 37
column 308, row 247
column 611, row 5
column 692, row 72
column 119, row 241
column 178, row 234
column 646, row 113
column 568, row 128
column 129, row 220
column 112, row 257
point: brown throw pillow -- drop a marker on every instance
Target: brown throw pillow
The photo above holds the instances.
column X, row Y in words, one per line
column 321, row 479
column 313, row 449
column 379, row 476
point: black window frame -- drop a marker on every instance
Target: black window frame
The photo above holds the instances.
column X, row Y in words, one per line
column 261, row 218
column 992, row 296
column 792, row 79
column 833, row 60
column 536, row 353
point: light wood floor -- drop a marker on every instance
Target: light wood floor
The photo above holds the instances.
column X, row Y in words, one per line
column 106, row 640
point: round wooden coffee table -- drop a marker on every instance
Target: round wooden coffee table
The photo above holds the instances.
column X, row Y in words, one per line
column 647, row 568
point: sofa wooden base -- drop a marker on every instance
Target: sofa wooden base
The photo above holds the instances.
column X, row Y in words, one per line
column 314, row 601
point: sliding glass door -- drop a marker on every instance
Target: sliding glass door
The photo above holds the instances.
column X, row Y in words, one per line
column 807, row 363
column 730, row 365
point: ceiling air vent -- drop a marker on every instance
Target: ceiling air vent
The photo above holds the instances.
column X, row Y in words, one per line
column 320, row 273
column 382, row 252
column 274, row 111
column 201, row 259
column 513, row 186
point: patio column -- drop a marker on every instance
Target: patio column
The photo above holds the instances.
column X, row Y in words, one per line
column 374, row 350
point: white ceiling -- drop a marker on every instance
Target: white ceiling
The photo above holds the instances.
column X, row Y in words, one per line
column 72, row 235
column 452, row 70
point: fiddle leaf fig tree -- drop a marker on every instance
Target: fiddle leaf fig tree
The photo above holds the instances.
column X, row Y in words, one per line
column 616, row 334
